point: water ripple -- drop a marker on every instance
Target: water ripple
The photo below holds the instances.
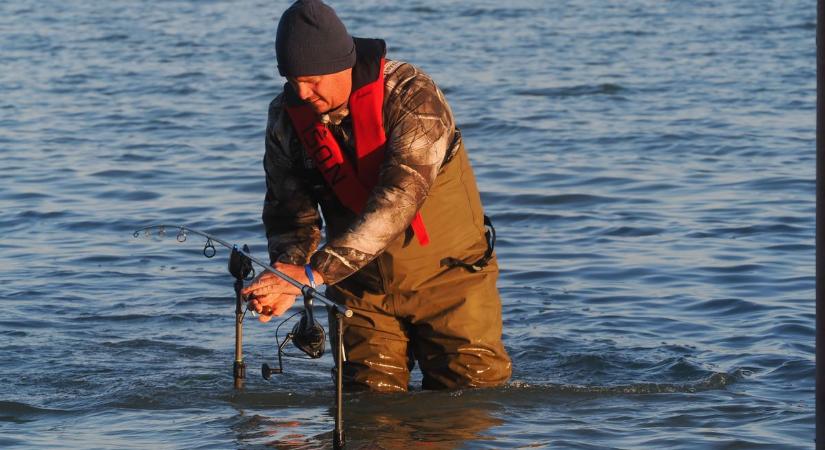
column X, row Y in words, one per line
column 574, row 91
column 648, row 167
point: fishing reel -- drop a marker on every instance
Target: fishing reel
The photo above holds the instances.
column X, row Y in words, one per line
column 307, row 335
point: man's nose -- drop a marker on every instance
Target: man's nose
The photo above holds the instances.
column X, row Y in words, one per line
column 304, row 92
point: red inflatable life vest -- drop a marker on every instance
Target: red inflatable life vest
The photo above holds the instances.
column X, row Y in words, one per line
column 352, row 185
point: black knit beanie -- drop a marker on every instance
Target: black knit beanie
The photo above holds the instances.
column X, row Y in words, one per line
column 312, row 40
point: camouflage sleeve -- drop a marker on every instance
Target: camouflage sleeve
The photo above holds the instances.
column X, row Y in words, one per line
column 420, row 128
column 290, row 214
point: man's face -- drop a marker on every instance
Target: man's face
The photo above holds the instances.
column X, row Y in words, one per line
column 324, row 92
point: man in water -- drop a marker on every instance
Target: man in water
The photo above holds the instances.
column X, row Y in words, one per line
column 373, row 143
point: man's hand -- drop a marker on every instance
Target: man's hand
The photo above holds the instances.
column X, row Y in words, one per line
column 271, row 296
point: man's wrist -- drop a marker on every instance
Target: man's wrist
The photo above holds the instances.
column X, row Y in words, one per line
column 287, row 258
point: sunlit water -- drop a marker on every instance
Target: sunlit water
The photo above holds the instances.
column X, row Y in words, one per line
column 649, row 167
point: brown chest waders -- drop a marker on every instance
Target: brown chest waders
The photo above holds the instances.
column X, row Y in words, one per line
column 417, row 303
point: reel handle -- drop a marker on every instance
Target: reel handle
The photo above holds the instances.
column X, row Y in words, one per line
column 267, row 371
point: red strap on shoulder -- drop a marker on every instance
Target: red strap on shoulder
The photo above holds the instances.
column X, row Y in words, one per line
column 367, row 107
column 418, row 228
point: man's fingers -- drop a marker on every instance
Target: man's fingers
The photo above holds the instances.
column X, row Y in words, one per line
column 269, row 284
column 263, row 289
column 249, row 290
column 263, row 279
column 265, row 311
column 271, row 305
column 283, row 308
column 258, row 290
column 282, row 304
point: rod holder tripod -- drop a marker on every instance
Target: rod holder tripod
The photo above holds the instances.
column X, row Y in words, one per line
column 241, row 268
column 338, row 440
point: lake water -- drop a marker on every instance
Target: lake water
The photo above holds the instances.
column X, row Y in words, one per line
column 649, row 167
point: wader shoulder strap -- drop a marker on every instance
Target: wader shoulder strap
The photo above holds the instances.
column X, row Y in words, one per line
column 482, row 262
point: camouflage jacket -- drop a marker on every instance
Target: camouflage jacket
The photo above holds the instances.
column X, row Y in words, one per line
column 421, row 138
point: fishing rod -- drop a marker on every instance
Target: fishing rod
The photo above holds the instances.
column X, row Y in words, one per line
column 209, row 251
column 307, row 335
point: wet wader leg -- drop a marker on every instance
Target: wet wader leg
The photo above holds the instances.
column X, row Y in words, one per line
column 375, row 343
column 458, row 333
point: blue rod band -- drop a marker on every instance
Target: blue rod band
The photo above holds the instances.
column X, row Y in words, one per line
column 308, row 270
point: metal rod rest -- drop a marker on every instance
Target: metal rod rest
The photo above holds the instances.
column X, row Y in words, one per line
column 238, row 367
column 338, row 438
